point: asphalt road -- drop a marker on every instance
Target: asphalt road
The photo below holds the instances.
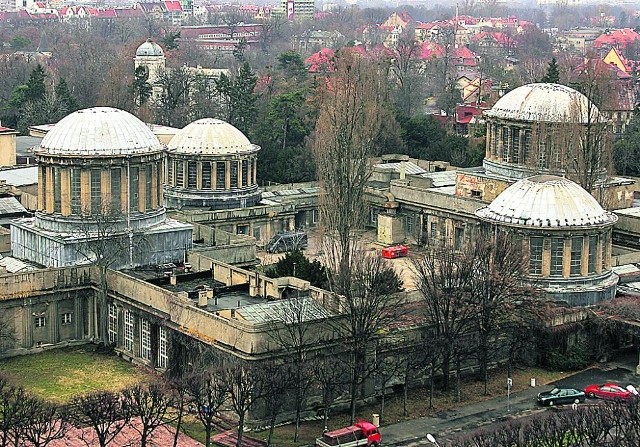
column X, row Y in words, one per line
column 468, row 418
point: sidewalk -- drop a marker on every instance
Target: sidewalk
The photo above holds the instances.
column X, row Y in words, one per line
column 469, row 417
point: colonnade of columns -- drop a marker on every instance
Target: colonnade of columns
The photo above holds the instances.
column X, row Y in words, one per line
column 212, row 175
column 78, row 190
column 509, row 144
column 569, row 256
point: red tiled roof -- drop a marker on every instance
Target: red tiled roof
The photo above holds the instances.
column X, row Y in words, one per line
column 322, row 61
column 431, row 50
column 617, row 37
column 173, row 5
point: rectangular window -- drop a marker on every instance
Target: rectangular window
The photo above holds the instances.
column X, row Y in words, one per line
column 373, row 216
column 535, row 256
column 593, row 254
column 75, row 191
column 603, row 251
column 134, row 184
column 245, row 171
column 314, row 216
column 57, row 191
column 170, row 172
column 116, row 190
column 163, row 351
column 206, row 175
column 145, row 339
column 505, row 145
column 410, row 223
column 96, row 193
column 576, row 256
column 221, row 175
column 234, row 174
column 557, row 252
column 128, row 330
column 458, row 237
column 542, row 155
column 113, row 323
column 180, row 174
column 65, row 318
column 496, row 141
column 192, row 174
column 527, row 146
column 434, row 230
column 147, row 188
column 515, row 145
column 40, row 321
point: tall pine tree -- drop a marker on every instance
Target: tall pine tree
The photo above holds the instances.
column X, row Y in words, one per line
column 553, row 74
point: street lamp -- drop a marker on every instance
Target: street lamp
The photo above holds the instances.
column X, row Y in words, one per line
column 432, row 439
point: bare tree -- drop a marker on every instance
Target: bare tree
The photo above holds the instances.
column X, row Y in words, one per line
column 14, row 414
column 45, row 422
column 443, row 278
column 209, row 389
column 330, row 374
column 149, row 404
column 278, row 379
column 245, row 387
column 104, row 412
column 294, row 334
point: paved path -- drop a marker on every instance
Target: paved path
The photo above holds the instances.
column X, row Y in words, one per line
column 469, row 417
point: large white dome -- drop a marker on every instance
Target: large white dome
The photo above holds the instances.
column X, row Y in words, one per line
column 149, row 48
column 100, row 132
column 546, row 201
column 551, row 103
column 209, row 136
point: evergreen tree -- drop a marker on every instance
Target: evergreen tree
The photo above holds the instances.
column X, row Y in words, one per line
column 240, row 99
column 553, row 74
column 295, row 263
column 64, row 96
column 141, row 88
column 36, row 89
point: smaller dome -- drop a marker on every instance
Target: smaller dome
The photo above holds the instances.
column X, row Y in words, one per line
column 149, row 48
column 550, row 103
column 546, row 201
column 209, row 136
column 99, row 132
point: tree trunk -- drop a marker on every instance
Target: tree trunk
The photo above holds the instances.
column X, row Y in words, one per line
column 431, row 385
column 240, row 429
column 272, row 426
column 207, row 431
column 179, row 420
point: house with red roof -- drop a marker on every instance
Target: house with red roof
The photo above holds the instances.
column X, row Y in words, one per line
column 494, row 43
column 173, row 11
column 465, row 60
column 321, row 62
column 617, row 38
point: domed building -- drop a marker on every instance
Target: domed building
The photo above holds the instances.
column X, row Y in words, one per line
column 566, row 237
column 543, row 129
column 100, row 176
column 150, row 57
column 211, row 164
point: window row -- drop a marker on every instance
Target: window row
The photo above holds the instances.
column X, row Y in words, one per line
column 212, row 175
column 583, row 255
column 41, row 320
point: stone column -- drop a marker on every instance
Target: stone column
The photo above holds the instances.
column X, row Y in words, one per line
column 227, row 170
column 41, row 192
column 65, row 191
column 27, row 326
column 487, row 153
column 566, row 258
column 546, row 257
column 49, row 190
column 240, row 179
column 584, row 258
column 599, row 253
column 105, row 188
column 154, row 186
column 199, row 174
column 124, row 190
column 79, row 318
column 255, row 170
column 249, row 171
column 85, row 191
column 54, row 326
column 142, row 188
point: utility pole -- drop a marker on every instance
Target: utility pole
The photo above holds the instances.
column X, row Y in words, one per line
column 509, row 385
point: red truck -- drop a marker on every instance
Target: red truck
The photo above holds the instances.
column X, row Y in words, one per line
column 362, row 433
column 397, row 251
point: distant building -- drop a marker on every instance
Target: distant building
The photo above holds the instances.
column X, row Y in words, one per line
column 295, row 9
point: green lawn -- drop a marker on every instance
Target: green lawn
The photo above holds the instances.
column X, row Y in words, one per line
column 60, row 374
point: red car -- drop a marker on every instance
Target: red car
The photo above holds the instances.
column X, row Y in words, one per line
column 610, row 391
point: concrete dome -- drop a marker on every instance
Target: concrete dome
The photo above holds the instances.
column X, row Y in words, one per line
column 551, row 103
column 546, row 201
column 209, row 136
column 99, row 132
column 149, row 48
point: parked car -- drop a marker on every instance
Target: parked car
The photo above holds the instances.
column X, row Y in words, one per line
column 610, row 391
column 558, row 396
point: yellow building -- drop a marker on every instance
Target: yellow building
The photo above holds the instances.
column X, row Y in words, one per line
column 7, row 146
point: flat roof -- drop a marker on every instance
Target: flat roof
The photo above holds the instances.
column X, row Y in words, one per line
column 20, row 175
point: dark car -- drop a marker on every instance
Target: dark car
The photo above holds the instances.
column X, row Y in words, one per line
column 610, row 391
column 558, row 396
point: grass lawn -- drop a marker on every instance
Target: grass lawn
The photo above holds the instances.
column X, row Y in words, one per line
column 60, row 374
